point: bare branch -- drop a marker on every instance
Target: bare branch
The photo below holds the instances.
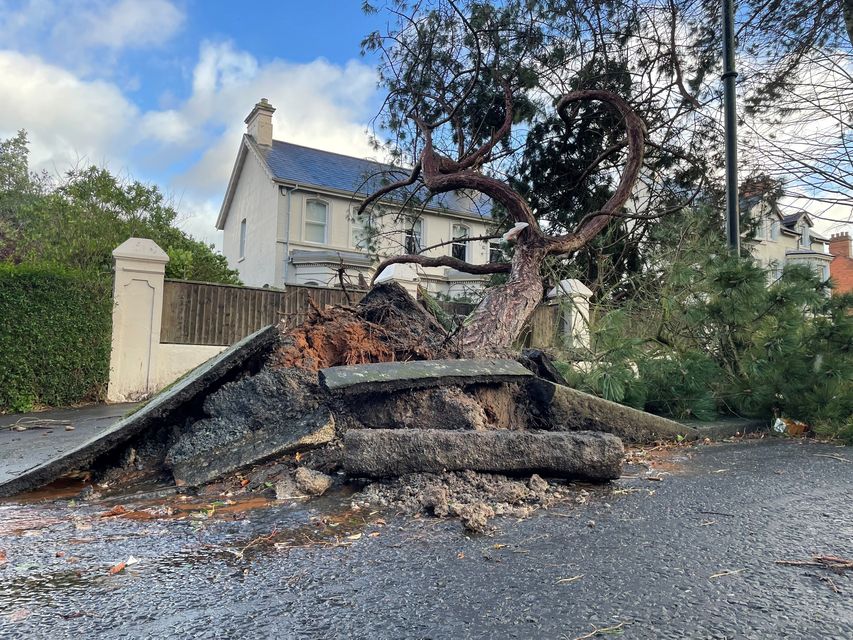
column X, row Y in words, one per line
column 444, row 261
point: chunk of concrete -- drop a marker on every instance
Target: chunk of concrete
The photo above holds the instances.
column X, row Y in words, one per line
column 258, row 417
column 170, row 405
column 197, row 467
column 385, row 453
column 567, row 409
column 314, row 483
column 420, row 374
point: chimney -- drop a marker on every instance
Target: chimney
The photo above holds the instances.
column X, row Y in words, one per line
column 839, row 244
column 259, row 122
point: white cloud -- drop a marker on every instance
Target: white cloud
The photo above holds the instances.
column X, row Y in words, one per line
column 88, row 34
column 128, row 24
column 66, row 117
column 188, row 148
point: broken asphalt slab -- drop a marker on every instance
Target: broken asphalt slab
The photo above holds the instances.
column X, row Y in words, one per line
column 420, row 374
column 45, row 434
column 385, row 453
column 572, row 410
column 187, row 392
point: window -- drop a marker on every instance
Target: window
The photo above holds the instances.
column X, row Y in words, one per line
column 362, row 229
column 413, row 235
column 774, row 230
column 459, row 248
column 805, row 240
column 242, row 238
column 496, row 253
column 316, row 218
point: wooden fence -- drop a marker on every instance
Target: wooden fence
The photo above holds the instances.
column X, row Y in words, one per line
column 214, row 314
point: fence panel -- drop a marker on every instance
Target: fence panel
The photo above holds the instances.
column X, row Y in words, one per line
column 215, row 314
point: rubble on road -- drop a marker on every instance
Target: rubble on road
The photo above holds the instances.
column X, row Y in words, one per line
column 372, row 391
column 472, row 497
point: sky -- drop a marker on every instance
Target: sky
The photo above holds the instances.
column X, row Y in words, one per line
column 157, row 90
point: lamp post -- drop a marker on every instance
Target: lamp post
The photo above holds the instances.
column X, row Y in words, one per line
column 729, row 98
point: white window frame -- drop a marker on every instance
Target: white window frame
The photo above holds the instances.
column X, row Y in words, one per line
column 306, row 222
column 244, row 231
column 495, row 245
column 805, row 238
column 463, row 245
column 355, row 222
column 775, row 230
column 409, row 225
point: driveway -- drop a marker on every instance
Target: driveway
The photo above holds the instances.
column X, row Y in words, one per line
column 692, row 555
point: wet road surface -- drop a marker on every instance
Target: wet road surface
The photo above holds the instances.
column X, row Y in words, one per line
column 690, row 556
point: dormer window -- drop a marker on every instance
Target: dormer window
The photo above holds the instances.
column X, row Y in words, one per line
column 316, row 221
column 805, row 239
column 774, row 230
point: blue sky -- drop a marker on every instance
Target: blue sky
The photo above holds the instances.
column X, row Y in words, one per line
column 158, row 89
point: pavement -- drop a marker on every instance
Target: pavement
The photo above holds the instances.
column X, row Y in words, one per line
column 692, row 554
column 46, row 436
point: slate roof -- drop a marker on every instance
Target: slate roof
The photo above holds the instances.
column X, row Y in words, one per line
column 306, row 166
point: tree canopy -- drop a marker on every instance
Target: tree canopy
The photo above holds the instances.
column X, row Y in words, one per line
column 78, row 220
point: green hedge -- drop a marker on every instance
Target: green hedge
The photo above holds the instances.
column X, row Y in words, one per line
column 54, row 336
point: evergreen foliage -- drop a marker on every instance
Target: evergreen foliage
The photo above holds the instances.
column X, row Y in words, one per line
column 54, row 338
column 707, row 335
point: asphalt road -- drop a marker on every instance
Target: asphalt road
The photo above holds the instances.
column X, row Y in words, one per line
column 691, row 556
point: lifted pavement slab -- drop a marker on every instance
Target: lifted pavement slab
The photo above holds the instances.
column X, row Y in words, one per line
column 187, row 392
column 420, row 374
column 571, row 410
column 22, row 451
column 385, row 453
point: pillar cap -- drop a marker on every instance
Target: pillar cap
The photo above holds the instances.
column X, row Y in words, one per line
column 141, row 249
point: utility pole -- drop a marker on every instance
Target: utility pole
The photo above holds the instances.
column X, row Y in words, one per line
column 729, row 106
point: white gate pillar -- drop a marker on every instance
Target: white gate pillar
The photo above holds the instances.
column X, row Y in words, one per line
column 573, row 297
column 140, row 267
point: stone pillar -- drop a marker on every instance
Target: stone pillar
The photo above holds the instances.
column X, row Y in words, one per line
column 140, row 267
column 405, row 275
column 573, row 297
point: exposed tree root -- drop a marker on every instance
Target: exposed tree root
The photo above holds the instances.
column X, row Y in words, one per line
column 388, row 325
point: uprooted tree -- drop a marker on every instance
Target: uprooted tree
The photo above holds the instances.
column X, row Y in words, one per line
column 449, row 68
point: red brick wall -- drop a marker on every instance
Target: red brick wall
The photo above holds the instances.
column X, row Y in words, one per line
column 841, row 269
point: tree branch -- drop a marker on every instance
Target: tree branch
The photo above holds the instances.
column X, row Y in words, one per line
column 388, row 188
column 636, row 133
column 443, row 261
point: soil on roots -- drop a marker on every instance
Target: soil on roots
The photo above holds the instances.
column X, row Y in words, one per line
column 388, row 325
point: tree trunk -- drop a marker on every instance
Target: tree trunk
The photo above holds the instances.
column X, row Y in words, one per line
column 499, row 319
column 847, row 9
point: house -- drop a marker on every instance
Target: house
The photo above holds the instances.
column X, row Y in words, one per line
column 288, row 217
column 841, row 269
column 777, row 239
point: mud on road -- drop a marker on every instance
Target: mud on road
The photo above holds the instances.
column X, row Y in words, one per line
column 691, row 554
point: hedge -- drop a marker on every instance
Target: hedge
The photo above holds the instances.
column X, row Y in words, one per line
column 54, row 336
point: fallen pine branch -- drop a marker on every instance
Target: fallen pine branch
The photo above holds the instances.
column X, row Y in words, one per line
column 597, row 631
column 833, row 563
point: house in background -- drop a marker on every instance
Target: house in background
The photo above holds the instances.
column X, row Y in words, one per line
column 778, row 239
column 841, row 268
column 288, row 217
